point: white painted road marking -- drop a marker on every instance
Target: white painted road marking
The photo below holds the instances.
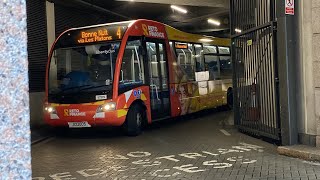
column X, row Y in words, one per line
column 312, row 163
column 170, row 172
column 225, row 132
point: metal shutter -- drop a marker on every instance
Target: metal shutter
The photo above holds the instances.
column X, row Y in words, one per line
column 37, row 44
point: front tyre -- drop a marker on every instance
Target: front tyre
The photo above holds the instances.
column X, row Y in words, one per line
column 134, row 121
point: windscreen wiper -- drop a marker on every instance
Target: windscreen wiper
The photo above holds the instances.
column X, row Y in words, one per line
column 75, row 87
column 93, row 87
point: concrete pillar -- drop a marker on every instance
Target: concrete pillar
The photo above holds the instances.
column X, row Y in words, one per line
column 51, row 25
column 316, row 63
column 288, row 59
column 15, row 157
column 306, row 96
column 51, row 34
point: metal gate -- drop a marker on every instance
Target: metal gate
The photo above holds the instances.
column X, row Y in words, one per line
column 254, row 55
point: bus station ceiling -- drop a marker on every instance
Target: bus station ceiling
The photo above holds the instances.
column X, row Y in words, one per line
column 194, row 21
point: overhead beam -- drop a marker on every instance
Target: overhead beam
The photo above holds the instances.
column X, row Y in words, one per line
column 206, row 3
column 93, row 7
column 213, row 15
column 101, row 9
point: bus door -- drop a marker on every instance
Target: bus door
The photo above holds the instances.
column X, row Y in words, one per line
column 158, row 78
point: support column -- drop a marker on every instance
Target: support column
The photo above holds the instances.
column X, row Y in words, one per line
column 15, row 157
column 288, row 58
column 51, row 34
column 316, row 63
column 51, row 25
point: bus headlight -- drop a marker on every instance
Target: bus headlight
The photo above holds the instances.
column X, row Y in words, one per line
column 50, row 110
column 107, row 107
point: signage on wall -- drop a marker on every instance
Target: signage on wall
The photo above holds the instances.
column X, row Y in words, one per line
column 289, row 7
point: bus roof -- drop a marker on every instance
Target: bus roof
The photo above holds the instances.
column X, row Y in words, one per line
column 121, row 23
column 116, row 30
column 93, row 34
column 177, row 35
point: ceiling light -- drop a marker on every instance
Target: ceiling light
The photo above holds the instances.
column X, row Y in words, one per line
column 211, row 21
column 205, row 40
column 179, row 9
column 238, row 30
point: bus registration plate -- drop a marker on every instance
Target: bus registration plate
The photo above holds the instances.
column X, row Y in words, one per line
column 79, row 124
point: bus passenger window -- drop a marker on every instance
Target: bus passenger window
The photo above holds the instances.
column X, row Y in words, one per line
column 225, row 67
column 132, row 69
column 225, row 63
column 213, row 66
column 210, row 49
column 185, row 58
column 199, row 58
column 224, row 50
column 163, row 66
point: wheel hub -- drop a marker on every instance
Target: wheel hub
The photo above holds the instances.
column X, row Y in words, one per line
column 139, row 119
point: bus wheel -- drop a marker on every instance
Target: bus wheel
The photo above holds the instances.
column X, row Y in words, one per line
column 135, row 120
column 230, row 98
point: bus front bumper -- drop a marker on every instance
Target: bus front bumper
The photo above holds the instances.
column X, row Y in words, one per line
column 89, row 119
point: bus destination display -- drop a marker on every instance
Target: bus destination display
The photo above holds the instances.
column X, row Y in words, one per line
column 105, row 33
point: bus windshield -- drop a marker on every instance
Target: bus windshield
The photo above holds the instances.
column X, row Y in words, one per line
column 82, row 69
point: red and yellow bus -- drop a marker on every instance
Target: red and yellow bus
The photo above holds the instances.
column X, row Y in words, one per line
column 133, row 73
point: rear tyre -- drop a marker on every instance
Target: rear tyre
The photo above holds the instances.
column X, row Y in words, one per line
column 230, row 98
column 135, row 120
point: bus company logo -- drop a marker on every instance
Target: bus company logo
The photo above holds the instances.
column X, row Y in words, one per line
column 152, row 31
column 137, row 93
column 73, row 112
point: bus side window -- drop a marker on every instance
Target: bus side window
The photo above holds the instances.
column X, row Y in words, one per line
column 186, row 60
column 172, row 48
column 225, row 63
column 132, row 69
column 211, row 61
column 199, row 58
column 213, row 66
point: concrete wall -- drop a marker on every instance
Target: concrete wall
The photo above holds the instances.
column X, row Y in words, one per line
column 36, row 109
column 306, row 120
column 309, row 118
column 316, row 61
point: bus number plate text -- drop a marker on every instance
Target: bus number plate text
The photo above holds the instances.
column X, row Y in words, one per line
column 79, row 124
